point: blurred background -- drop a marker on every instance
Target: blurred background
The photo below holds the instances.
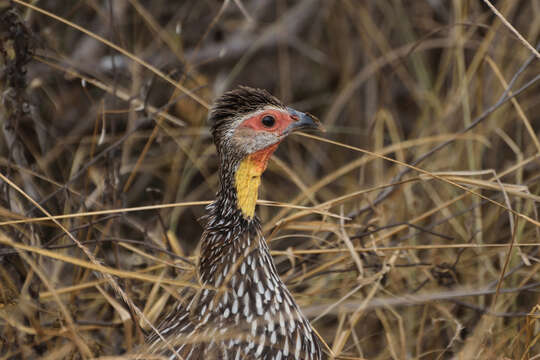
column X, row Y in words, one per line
column 104, row 108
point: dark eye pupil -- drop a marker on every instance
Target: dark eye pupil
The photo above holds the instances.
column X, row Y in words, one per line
column 268, row 121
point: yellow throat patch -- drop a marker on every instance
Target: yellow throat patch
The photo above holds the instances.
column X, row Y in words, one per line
column 248, row 178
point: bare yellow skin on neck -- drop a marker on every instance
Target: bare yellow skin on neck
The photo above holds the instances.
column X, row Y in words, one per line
column 248, row 179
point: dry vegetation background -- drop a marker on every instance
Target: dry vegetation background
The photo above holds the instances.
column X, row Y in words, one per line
column 103, row 111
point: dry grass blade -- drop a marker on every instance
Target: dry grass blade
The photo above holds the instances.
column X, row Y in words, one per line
column 509, row 26
column 94, row 266
column 92, row 258
column 427, row 173
column 120, row 50
column 409, row 229
column 308, row 210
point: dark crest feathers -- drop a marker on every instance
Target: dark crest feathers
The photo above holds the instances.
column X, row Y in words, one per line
column 238, row 102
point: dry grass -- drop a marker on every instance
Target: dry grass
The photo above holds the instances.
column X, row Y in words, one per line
column 409, row 230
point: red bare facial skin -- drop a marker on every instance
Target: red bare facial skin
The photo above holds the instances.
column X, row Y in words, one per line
column 283, row 120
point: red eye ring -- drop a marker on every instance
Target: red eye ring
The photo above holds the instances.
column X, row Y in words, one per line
column 268, row 121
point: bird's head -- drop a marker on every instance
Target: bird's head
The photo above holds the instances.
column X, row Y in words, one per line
column 247, row 125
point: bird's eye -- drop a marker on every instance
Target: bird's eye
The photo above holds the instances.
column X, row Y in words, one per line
column 268, row 121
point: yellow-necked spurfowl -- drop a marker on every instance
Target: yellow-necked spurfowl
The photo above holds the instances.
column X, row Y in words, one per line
column 243, row 311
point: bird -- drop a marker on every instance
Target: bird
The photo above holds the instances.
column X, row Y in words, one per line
column 243, row 310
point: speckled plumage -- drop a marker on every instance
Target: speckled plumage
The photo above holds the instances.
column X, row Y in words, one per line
column 243, row 311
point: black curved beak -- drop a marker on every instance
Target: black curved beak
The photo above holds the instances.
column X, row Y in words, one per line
column 302, row 121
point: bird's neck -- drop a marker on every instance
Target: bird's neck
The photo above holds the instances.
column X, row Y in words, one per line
column 225, row 246
column 229, row 237
column 246, row 179
column 232, row 230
